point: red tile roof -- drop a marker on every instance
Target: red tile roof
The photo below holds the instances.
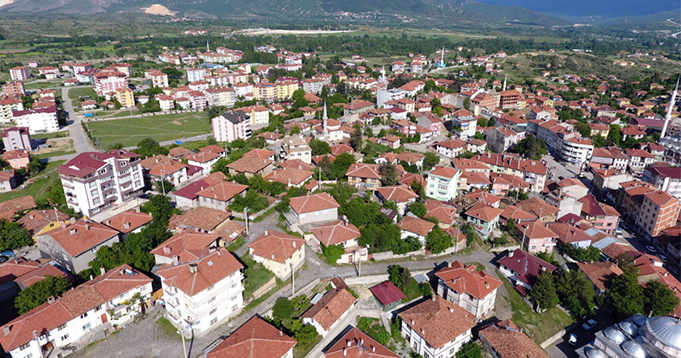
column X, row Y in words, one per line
column 397, row 193
column 201, row 217
column 415, row 225
column 466, row 279
column 600, row 273
column 330, row 308
column 14, row 268
column 9, row 207
column 128, row 221
column 39, row 274
column 335, row 232
column 250, row 164
column 444, row 172
column 484, row 212
column 526, row 266
column 276, row 246
column 223, row 191
column 211, row 269
column 187, row 245
column 510, row 342
column 312, row 203
column 289, row 176
column 254, row 339
column 37, row 220
column 438, row 321
column 363, row 170
column 387, row 293
column 356, row 344
column 80, row 236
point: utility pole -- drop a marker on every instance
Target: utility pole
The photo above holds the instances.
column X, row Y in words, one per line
column 184, row 348
column 163, row 179
column 293, row 280
column 246, row 218
column 56, row 216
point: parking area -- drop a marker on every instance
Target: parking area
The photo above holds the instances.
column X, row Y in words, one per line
column 562, row 348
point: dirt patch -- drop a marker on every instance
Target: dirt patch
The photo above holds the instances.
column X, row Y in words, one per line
column 160, row 10
column 57, row 145
column 177, row 123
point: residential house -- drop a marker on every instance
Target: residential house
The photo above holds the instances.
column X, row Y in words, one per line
column 255, row 338
column 185, row 246
column 536, row 237
column 443, row 183
column 658, row 211
column 600, row 274
column 532, row 172
column 278, row 252
column 73, row 246
column 41, row 221
column 599, row 215
column 566, row 196
column 330, row 310
column 523, row 269
column 542, row 210
column 364, row 175
column 639, row 159
column 665, row 178
column 609, row 179
column 443, row 211
column 295, row 147
column 609, row 158
column 500, row 139
column 504, row 339
column 436, row 327
column 483, row 218
column 356, row 344
column 387, row 295
column 312, row 209
column 131, row 221
column 339, row 232
column 473, row 290
column 569, row 233
column 221, row 195
column 451, row 148
column 203, row 160
column 16, row 138
column 402, row 195
column 17, row 159
column 251, row 166
column 69, row 322
column 412, row 226
column 200, row 293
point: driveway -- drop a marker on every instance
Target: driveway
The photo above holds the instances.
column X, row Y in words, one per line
column 256, row 229
column 81, row 142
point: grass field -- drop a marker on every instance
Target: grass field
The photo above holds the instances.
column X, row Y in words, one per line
column 538, row 326
column 40, row 187
column 50, row 135
column 130, row 131
column 76, row 93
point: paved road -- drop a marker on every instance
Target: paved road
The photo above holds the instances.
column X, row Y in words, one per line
column 81, row 142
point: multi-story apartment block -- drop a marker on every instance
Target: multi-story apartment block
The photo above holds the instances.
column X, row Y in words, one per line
column 202, row 292
column 125, row 97
column 260, row 115
column 242, row 89
column 68, row 323
column 231, row 126
column 158, row 79
column 265, row 92
column 221, row 96
column 313, row 86
column 7, row 106
column 510, row 99
column 639, row 159
column 106, row 82
column 73, row 246
column 196, row 74
column 96, row 181
column 658, row 211
column 443, row 183
column 473, row 290
column 16, row 138
column 295, row 147
column 285, row 89
column 665, row 178
column 40, row 120
column 13, row 89
column 531, row 171
column 19, row 73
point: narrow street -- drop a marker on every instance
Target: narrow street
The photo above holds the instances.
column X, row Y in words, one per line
column 81, row 141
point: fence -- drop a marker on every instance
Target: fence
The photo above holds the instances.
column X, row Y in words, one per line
column 504, row 248
column 380, row 256
column 265, row 288
column 241, row 215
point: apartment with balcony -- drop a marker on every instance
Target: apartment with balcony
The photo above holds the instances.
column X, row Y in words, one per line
column 443, row 183
column 202, row 292
column 658, row 211
column 96, row 181
column 231, row 126
column 533, row 172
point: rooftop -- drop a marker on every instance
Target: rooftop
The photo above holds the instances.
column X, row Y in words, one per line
column 438, row 321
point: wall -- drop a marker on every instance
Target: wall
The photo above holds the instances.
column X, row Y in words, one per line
column 265, row 288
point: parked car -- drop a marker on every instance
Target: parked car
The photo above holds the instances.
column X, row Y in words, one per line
column 651, row 249
column 589, row 324
column 561, row 178
column 662, row 257
column 673, row 269
column 573, row 339
column 3, row 259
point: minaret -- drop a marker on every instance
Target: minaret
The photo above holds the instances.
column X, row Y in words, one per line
column 505, row 76
column 325, row 119
column 442, row 58
column 672, row 103
column 207, row 47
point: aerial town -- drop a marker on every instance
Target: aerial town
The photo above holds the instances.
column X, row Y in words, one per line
column 189, row 204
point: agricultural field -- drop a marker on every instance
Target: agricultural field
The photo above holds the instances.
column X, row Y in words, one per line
column 130, row 131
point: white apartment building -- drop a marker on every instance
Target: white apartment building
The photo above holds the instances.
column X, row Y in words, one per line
column 385, row 95
column 196, row 74
column 473, row 290
column 436, row 327
column 96, row 181
column 106, row 82
column 443, row 183
column 20, row 73
column 243, row 88
column 231, row 126
column 202, row 292
column 158, row 79
column 576, row 149
column 260, row 115
column 7, row 106
column 221, row 96
column 41, row 120
column 79, row 317
column 295, row 147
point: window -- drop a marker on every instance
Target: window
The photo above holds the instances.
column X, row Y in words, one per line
column 30, row 355
column 211, row 299
column 83, row 315
column 64, row 337
column 92, row 185
column 213, row 321
column 86, row 326
column 234, row 298
column 24, row 346
column 61, row 327
column 95, row 201
column 235, row 307
column 212, row 312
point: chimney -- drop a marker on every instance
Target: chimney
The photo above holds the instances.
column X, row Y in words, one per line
column 433, row 298
column 193, row 268
column 349, row 342
column 422, row 331
column 294, row 244
column 108, row 223
column 87, row 227
column 102, row 270
column 126, row 226
column 487, row 284
column 73, row 231
column 510, row 254
column 50, row 300
column 543, row 268
column 63, row 225
column 345, row 352
column 167, row 250
column 137, row 209
column 451, row 309
column 373, row 348
column 5, row 330
column 176, row 260
column 281, row 334
column 266, row 232
column 219, row 253
column 412, row 322
column 272, row 256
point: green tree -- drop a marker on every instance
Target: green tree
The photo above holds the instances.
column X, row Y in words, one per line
column 149, row 147
column 376, row 121
column 530, row 147
column 295, row 130
column 467, row 103
column 543, row 292
column 374, row 329
column 431, row 160
column 341, row 165
column 418, row 209
column 614, row 135
column 13, row 236
column 437, row 241
column 388, row 174
column 283, row 310
column 625, row 297
column 511, row 225
column 659, row 299
column 356, row 139
column 469, row 350
column 482, row 122
column 38, row 293
column 333, row 253
column 576, row 293
column 319, row 147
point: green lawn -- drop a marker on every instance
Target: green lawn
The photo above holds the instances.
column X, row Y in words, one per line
column 76, row 93
column 256, row 276
column 40, row 187
column 50, row 135
column 129, row 131
column 538, row 326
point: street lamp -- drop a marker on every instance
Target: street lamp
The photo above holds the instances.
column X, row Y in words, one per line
column 184, row 348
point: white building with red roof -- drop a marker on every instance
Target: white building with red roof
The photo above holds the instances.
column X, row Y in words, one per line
column 96, row 181
column 523, row 269
column 66, row 323
column 473, row 290
column 443, row 183
column 278, row 252
column 402, row 195
column 312, row 209
column 331, row 309
column 202, row 292
column 340, row 232
column 131, row 221
column 255, row 339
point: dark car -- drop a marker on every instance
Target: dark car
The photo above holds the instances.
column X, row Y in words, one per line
column 3, row 259
column 561, row 178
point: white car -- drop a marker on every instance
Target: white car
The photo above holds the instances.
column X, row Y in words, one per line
column 573, row 339
column 589, row 324
column 651, row 249
column 663, row 258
